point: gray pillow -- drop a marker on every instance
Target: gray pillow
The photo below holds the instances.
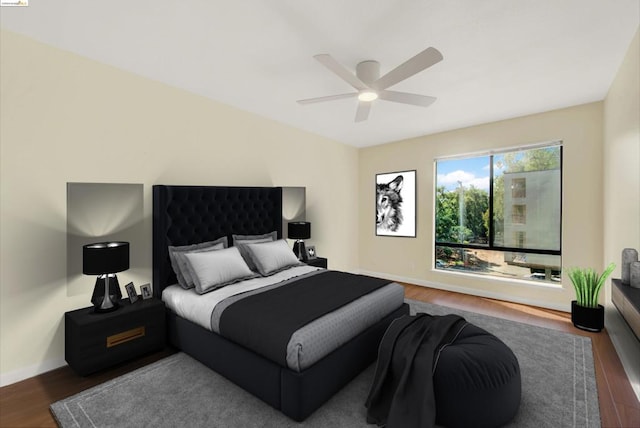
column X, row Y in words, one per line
column 211, row 270
column 241, row 241
column 175, row 263
column 272, row 257
column 241, row 238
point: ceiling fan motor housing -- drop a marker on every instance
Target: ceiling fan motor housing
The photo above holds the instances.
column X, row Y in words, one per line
column 368, row 71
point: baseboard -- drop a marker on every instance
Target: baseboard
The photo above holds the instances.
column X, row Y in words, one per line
column 471, row 291
column 626, row 345
column 31, row 371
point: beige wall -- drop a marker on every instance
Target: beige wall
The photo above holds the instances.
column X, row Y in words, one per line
column 622, row 193
column 68, row 119
column 622, row 159
column 411, row 259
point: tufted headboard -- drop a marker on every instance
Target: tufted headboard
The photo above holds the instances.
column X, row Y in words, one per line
column 185, row 215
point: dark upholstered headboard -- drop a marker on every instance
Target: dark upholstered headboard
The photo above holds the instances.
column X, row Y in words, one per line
column 185, row 215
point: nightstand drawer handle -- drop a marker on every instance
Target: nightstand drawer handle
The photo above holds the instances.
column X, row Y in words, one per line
column 125, row 336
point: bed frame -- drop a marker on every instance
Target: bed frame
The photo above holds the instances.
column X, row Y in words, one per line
column 191, row 214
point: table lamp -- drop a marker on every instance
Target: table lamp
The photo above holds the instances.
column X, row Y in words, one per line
column 299, row 230
column 105, row 259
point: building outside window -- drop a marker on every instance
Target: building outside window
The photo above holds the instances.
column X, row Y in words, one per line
column 500, row 214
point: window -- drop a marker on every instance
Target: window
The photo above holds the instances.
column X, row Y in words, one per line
column 519, row 188
column 500, row 214
column 519, row 214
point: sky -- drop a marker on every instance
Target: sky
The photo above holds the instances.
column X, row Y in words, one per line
column 473, row 171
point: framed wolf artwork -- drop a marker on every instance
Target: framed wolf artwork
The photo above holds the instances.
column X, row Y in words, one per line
column 396, row 204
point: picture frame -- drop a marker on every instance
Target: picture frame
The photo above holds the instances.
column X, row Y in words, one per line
column 395, row 200
column 131, row 292
column 145, row 290
column 311, row 252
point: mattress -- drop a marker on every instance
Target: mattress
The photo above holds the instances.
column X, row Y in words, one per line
column 311, row 342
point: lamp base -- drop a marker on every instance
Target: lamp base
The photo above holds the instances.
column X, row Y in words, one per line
column 98, row 294
column 300, row 250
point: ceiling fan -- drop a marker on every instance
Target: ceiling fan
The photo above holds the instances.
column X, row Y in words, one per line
column 371, row 86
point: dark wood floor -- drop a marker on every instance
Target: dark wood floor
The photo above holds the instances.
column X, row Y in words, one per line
column 26, row 403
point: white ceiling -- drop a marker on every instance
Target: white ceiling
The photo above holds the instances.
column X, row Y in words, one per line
column 502, row 58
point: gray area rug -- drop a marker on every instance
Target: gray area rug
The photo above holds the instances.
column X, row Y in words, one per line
column 558, row 389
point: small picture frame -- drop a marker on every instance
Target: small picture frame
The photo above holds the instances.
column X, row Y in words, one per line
column 311, row 252
column 131, row 292
column 145, row 290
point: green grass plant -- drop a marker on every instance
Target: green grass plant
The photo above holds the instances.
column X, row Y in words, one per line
column 588, row 283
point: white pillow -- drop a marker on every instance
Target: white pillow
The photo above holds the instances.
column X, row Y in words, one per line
column 184, row 267
column 241, row 242
column 271, row 257
column 215, row 269
column 173, row 251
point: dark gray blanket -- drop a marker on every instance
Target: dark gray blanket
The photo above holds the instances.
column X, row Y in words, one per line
column 401, row 394
column 264, row 322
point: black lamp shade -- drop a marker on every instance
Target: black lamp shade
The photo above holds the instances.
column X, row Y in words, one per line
column 299, row 230
column 105, row 257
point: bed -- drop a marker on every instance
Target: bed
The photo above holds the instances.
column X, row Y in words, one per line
column 184, row 215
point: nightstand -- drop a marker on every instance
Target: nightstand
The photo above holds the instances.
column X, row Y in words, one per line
column 95, row 341
column 317, row 262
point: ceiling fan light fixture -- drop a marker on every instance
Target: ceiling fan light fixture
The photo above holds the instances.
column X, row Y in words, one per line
column 370, row 86
column 367, row 95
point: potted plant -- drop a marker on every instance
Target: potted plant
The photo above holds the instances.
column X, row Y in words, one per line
column 586, row 313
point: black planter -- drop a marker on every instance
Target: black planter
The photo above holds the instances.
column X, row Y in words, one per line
column 589, row 319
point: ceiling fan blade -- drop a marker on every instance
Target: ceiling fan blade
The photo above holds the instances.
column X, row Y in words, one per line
column 423, row 60
column 327, row 98
column 333, row 65
column 406, row 98
column 363, row 111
